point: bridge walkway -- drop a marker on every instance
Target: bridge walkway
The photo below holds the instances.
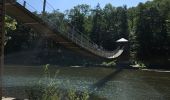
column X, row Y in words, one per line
column 73, row 40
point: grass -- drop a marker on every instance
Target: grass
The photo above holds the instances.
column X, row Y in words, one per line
column 109, row 64
column 51, row 91
column 140, row 65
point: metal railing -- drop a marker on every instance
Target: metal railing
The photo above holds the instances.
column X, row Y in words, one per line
column 71, row 33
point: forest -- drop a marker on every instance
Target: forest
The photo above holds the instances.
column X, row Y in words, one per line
column 147, row 27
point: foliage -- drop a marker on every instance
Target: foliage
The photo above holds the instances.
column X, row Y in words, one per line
column 102, row 26
column 140, row 64
column 147, row 27
column 109, row 64
column 73, row 95
column 10, row 24
column 40, row 91
column 20, row 39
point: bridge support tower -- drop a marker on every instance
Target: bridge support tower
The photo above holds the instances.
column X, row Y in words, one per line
column 123, row 61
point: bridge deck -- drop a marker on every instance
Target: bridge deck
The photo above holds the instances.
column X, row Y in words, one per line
column 22, row 14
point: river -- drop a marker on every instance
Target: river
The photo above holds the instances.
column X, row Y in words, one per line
column 105, row 83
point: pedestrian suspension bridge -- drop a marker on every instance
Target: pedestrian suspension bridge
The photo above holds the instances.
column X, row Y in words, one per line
column 73, row 39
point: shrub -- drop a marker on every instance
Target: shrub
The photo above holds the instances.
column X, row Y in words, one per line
column 109, row 64
column 40, row 91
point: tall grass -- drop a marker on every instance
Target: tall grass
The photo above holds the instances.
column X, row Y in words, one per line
column 51, row 91
column 109, row 63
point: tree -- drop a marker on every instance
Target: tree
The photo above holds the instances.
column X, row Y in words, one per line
column 109, row 27
column 97, row 25
column 78, row 15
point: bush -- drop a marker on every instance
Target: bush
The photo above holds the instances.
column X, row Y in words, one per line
column 40, row 91
column 140, row 64
column 109, row 64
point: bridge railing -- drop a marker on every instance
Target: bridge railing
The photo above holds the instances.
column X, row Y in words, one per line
column 74, row 35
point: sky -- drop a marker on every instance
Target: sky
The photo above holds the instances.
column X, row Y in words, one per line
column 63, row 5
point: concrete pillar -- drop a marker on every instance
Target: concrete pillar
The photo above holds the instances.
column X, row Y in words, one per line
column 2, row 31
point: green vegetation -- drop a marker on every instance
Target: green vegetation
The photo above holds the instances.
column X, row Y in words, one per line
column 51, row 91
column 146, row 26
column 150, row 30
column 140, row 65
column 109, row 64
column 10, row 25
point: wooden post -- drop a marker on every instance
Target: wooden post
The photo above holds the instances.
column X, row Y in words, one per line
column 2, row 31
column 44, row 6
column 24, row 4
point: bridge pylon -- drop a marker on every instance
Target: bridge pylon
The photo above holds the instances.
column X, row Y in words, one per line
column 123, row 60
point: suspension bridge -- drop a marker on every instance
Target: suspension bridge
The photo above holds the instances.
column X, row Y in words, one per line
column 75, row 40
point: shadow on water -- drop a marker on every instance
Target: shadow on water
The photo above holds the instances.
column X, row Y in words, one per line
column 103, row 81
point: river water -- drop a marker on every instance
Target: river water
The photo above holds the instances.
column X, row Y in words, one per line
column 105, row 83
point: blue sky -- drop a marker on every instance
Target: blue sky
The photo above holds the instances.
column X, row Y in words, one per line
column 67, row 4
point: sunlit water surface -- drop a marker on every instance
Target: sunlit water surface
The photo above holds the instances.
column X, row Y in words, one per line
column 105, row 83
